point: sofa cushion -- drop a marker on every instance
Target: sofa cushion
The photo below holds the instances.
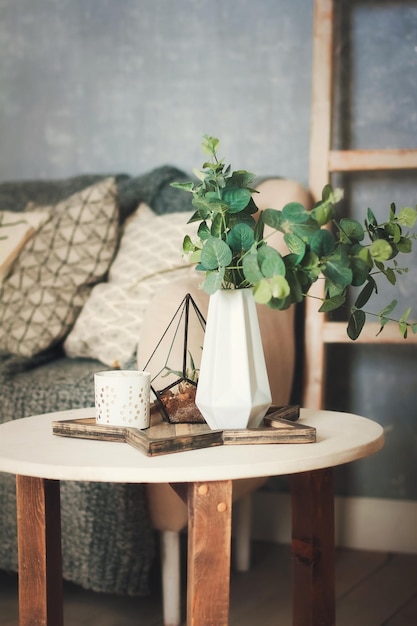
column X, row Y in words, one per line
column 15, row 230
column 149, row 257
column 56, row 269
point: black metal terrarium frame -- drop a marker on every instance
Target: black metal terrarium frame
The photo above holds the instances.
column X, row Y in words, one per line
column 179, row 323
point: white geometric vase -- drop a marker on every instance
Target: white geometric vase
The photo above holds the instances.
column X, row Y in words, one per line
column 233, row 387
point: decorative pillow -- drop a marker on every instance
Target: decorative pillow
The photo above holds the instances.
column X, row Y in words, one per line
column 148, row 258
column 15, row 230
column 55, row 271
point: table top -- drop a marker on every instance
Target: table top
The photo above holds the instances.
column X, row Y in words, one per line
column 28, row 447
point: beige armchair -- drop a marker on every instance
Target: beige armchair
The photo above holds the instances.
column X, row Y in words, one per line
column 168, row 512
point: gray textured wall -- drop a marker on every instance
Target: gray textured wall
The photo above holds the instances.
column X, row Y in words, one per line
column 127, row 85
column 105, row 85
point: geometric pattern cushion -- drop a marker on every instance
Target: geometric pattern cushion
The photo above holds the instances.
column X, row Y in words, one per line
column 56, row 269
column 15, row 230
column 148, row 258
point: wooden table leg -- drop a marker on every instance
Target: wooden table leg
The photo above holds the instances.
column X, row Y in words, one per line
column 39, row 552
column 313, row 559
column 209, row 546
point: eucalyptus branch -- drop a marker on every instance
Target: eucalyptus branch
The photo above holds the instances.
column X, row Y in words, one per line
column 232, row 252
column 403, row 325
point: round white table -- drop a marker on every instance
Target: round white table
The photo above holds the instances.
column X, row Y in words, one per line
column 40, row 459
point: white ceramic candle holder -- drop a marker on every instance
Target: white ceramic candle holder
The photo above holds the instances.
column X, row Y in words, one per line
column 122, row 398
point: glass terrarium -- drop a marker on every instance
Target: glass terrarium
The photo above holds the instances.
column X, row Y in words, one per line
column 175, row 363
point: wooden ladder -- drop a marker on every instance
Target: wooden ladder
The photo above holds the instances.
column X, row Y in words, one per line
column 324, row 161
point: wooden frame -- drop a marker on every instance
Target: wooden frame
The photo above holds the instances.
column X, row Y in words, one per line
column 323, row 162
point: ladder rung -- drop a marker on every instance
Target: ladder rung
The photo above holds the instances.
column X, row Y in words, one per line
column 335, row 332
column 368, row 160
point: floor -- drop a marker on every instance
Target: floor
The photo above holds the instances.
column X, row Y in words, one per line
column 373, row 589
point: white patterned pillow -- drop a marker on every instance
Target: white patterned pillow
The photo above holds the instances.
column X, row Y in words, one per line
column 148, row 258
column 56, row 269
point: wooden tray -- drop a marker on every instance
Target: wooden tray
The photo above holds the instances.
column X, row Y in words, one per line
column 279, row 426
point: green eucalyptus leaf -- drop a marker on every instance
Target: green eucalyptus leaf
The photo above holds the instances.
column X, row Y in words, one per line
column 333, row 290
column 352, row 229
column 322, row 243
column 305, row 230
column 206, row 207
column 362, row 253
column 280, row 287
column 270, row 261
column 407, row 216
column 360, row 271
column 390, row 274
column 295, row 245
column 203, row 231
column 322, row 213
column 187, row 245
column 311, row 265
column 241, row 179
column 291, row 261
column 355, row 324
column 218, row 226
column 240, row 218
column 259, row 228
column 203, row 210
column 394, row 231
column 337, row 272
column 296, row 290
column 402, row 326
column 212, row 196
column 371, row 218
column 183, row 186
column 331, row 195
column 280, row 304
column 215, row 253
column 404, row 245
column 365, row 293
column 213, row 281
column 215, row 170
column 251, row 269
column 405, row 315
column 196, row 217
column 326, row 193
column 236, row 199
column 295, row 213
column 388, row 309
column 195, row 256
column 276, row 287
column 262, row 292
column 210, row 145
column 380, row 250
column 274, row 219
column 251, row 207
column 331, row 304
column 383, row 321
column 199, row 174
column 241, row 238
